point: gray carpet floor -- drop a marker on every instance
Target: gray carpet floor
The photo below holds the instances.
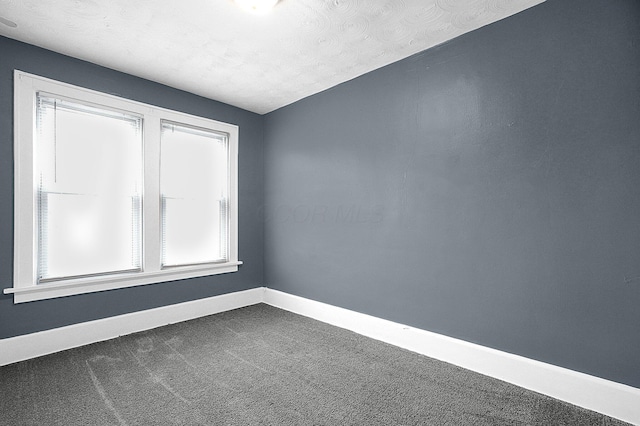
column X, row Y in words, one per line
column 263, row 366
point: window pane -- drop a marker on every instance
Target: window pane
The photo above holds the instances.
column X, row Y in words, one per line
column 90, row 178
column 194, row 185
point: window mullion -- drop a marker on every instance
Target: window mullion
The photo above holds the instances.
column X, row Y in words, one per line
column 151, row 197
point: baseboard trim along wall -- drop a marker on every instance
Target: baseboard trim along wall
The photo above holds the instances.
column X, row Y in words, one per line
column 33, row 345
column 604, row 396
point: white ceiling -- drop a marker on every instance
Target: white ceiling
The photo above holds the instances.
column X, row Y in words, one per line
column 257, row 62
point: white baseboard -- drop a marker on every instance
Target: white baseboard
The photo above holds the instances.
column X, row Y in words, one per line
column 593, row 393
column 604, row 396
column 33, row 345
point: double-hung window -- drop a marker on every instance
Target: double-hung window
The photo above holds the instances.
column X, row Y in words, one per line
column 111, row 193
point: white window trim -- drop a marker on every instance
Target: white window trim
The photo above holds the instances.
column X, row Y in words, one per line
column 25, row 289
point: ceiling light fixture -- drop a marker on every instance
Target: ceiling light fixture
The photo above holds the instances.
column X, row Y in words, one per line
column 257, row 6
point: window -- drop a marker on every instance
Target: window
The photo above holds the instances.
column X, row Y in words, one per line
column 195, row 202
column 111, row 193
column 88, row 189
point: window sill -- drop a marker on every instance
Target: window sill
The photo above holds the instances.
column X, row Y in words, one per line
column 112, row 282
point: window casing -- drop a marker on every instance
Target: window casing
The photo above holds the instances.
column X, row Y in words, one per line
column 112, row 193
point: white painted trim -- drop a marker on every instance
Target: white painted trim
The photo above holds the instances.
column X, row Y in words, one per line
column 593, row 393
column 33, row 345
column 25, row 278
column 115, row 281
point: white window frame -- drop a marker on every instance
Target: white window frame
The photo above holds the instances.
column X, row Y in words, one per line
column 25, row 287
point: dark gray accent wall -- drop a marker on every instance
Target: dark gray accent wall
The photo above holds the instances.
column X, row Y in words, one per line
column 36, row 316
column 486, row 189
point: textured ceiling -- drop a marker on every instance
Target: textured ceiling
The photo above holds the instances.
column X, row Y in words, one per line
column 256, row 62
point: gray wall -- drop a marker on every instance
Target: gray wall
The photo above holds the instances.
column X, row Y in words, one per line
column 487, row 189
column 35, row 316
